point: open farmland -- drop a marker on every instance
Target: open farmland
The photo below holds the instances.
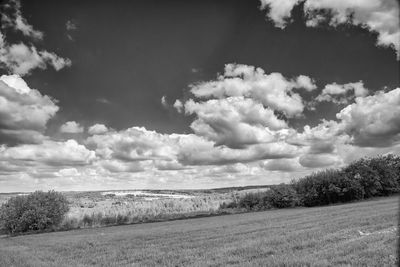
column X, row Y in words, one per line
column 356, row 234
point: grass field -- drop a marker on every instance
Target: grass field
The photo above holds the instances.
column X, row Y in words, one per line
column 322, row 236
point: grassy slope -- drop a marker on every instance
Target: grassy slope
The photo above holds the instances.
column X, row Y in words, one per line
column 320, row 236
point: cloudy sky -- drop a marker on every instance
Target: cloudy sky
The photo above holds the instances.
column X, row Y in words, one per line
column 193, row 94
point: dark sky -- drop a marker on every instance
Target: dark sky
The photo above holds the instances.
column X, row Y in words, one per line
column 131, row 53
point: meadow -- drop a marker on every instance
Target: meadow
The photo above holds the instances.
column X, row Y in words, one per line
column 101, row 208
column 353, row 234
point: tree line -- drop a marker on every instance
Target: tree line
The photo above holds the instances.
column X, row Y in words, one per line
column 362, row 179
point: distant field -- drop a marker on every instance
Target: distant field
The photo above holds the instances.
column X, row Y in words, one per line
column 132, row 206
column 356, row 234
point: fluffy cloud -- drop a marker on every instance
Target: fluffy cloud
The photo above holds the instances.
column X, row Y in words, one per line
column 241, row 134
column 272, row 90
column 177, row 150
column 52, row 153
column 178, row 105
column 234, row 121
column 164, row 101
column 20, row 58
column 116, row 166
column 167, row 165
column 342, row 93
column 71, row 127
column 207, row 154
column 325, row 132
column 281, row 165
column 237, row 168
column 67, row 172
column 305, row 82
column 245, row 106
column 373, row 120
column 319, row 144
column 24, row 112
column 11, row 17
column 121, row 154
column 233, row 124
column 97, row 129
column 133, row 144
column 380, row 16
column 319, row 160
column 279, row 10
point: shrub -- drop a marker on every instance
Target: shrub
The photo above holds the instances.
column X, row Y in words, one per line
column 69, row 223
column 229, row 205
column 281, row 196
column 122, row 219
column 87, row 220
column 36, row 211
column 328, row 187
column 251, row 201
column 97, row 218
column 108, row 220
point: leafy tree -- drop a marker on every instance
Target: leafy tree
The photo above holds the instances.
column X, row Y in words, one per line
column 387, row 173
column 378, row 176
column 327, row 187
column 366, row 175
column 364, row 178
column 36, row 211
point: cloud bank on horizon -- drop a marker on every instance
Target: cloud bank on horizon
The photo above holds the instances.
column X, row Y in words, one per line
column 243, row 129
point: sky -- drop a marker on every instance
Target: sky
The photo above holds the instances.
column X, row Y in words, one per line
column 185, row 94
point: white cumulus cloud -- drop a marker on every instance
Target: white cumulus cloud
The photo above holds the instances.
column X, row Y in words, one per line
column 245, row 106
column 272, row 90
column 51, row 153
column 23, row 111
column 97, row 129
column 380, row 16
column 19, row 58
column 71, row 127
column 373, row 120
column 342, row 93
column 11, row 17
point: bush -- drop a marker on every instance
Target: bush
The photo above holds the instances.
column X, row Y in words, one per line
column 122, row 219
column 252, row 201
column 328, row 187
column 34, row 212
column 282, row 196
column 108, row 220
column 229, row 205
column 87, row 220
column 69, row 223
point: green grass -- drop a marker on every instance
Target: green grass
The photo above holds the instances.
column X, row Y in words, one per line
column 322, row 236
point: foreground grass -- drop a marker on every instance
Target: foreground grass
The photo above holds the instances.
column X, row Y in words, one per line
column 322, row 236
